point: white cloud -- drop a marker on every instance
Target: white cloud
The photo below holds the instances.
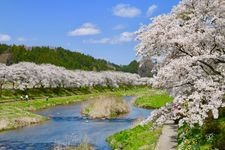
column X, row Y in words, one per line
column 151, row 10
column 119, row 27
column 99, row 41
column 125, row 10
column 122, row 38
column 126, row 37
column 4, row 38
column 85, row 29
column 21, row 39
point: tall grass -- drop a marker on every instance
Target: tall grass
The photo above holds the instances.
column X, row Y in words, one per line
column 84, row 145
column 105, row 107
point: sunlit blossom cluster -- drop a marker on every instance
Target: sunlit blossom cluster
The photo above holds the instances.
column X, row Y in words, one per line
column 29, row 75
column 191, row 39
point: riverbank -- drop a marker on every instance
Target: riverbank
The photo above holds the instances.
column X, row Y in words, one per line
column 141, row 137
column 19, row 113
column 13, row 95
column 153, row 101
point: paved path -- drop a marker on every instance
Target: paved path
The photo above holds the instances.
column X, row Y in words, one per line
column 168, row 138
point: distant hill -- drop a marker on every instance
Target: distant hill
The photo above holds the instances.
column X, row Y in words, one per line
column 132, row 67
column 10, row 54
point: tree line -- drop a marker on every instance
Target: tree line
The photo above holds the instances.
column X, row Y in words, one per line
column 27, row 75
column 60, row 57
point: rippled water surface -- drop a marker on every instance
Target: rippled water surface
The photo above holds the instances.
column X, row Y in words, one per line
column 67, row 127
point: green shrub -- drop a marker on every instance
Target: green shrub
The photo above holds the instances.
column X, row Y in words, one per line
column 210, row 136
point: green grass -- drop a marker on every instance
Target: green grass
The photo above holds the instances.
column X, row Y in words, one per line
column 139, row 137
column 38, row 93
column 19, row 113
column 153, row 101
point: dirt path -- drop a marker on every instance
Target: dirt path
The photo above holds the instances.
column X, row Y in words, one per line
column 168, row 138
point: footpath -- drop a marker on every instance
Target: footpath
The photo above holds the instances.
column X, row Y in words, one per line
column 168, row 138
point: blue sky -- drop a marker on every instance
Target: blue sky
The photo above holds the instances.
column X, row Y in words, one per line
column 103, row 29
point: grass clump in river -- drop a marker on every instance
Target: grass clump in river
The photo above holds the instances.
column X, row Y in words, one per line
column 139, row 137
column 105, row 107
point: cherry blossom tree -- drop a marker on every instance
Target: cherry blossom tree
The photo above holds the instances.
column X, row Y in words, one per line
column 3, row 79
column 26, row 75
column 191, row 39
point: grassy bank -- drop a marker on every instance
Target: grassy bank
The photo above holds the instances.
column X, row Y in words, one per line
column 39, row 93
column 153, row 101
column 141, row 137
column 19, row 113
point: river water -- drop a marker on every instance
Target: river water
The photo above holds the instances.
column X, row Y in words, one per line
column 68, row 127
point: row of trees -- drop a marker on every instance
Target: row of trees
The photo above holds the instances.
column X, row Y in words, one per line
column 191, row 44
column 29, row 75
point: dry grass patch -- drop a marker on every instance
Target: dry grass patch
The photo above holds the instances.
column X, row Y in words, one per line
column 105, row 107
column 4, row 124
column 82, row 146
column 24, row 121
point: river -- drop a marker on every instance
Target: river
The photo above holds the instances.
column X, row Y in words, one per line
column 68, row 127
